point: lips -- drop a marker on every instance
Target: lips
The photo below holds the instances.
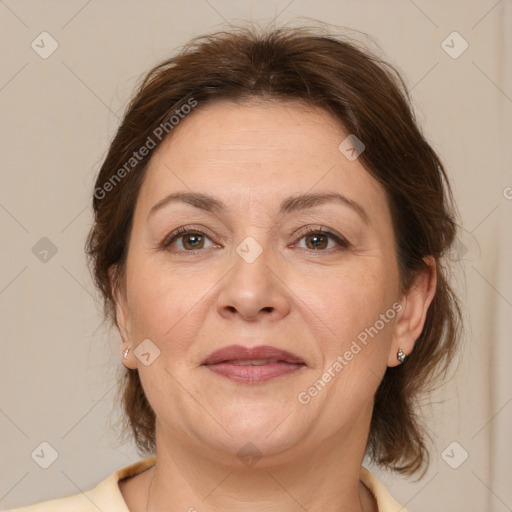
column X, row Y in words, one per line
column 252, row 365
column 237, row 354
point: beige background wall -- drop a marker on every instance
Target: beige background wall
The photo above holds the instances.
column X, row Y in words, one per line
column 57, row 378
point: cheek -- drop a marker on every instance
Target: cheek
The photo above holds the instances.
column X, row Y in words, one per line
column 156, row 300
column 164, row 304
column 348, row 301
column 357, row 323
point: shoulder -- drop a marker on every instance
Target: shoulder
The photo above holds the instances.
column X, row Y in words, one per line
column 105, row 496
column 385, row 501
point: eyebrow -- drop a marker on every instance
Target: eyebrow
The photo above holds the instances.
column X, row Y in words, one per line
column 288, row 205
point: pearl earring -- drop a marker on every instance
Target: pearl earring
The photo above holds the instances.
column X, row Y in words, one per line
column 400, row 356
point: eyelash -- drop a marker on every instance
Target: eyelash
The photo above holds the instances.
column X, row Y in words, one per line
column 181, row 232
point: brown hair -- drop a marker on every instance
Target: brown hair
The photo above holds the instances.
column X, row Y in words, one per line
column 370, row 99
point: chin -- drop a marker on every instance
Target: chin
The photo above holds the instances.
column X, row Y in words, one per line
column 268, row 431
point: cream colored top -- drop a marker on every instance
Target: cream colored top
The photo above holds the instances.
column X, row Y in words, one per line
column 106, row 496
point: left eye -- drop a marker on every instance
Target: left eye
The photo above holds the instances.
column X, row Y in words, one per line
column 318, row 239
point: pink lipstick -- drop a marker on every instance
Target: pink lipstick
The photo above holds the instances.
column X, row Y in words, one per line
column 252, row 365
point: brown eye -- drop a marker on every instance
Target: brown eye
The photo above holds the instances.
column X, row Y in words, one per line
column 318, row 239
column 191, row 240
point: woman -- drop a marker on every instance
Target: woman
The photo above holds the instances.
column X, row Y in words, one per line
column 270, row 226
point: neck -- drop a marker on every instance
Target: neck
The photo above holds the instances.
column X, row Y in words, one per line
column 324, row 478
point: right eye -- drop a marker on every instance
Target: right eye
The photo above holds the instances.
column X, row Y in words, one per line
column 191, row 239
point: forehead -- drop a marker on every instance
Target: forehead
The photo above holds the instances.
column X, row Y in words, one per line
column 258, row 150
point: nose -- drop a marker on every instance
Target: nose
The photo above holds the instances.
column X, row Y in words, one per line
column 254, row 290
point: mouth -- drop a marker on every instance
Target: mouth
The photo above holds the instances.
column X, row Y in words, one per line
column 252, row 365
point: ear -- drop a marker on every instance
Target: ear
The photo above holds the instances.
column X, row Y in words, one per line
column 122, row 317
column 415, row 304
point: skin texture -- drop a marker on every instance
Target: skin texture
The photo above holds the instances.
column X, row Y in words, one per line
column 307, row 300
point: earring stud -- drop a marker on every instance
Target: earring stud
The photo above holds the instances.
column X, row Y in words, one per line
column 400, row 356
column 125, row 353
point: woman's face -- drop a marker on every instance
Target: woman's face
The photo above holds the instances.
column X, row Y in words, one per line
column 250, row 274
